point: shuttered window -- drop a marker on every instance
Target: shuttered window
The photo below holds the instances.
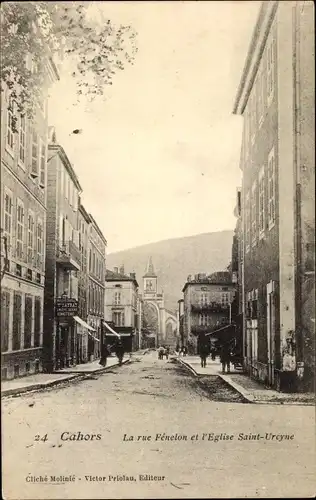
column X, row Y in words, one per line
column 5, row 317
column 17, row 317
column 28, row 321
column 37, row 321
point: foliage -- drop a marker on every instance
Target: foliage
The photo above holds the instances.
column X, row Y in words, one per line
column 35, row 32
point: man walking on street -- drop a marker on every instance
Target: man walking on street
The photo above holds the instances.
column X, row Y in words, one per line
column 204, row 352
column 119, row 351
column 225, row 357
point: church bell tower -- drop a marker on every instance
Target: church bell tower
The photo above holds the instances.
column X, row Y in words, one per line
column 150, row 279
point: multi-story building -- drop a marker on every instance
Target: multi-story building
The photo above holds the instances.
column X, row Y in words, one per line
column 23, row 229
column 84, row 221
column 63, row 259
column 276, row 98
column 207, row 306
column 180, row 322
column 96, row 285
column 122, row 306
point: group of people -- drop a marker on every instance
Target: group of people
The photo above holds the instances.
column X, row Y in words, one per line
column 119, row 350
column 225, row 355
column 181, row 351
column 163, row 351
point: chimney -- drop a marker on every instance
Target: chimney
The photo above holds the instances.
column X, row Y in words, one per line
column 122, row 269
column 116, row 270
column 133, row 275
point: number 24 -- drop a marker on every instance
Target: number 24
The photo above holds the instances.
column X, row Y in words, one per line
column 39, row 438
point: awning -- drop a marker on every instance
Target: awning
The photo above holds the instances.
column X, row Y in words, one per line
column 93, row 336
column 111, row 329
column 221, row 330
column 84, row 324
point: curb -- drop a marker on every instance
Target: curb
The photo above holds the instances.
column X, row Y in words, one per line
column 248, row 398
column 70, row 378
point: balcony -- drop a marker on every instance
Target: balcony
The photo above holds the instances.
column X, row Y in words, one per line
column 212, row 307
column 68, row 256
column 203, row 329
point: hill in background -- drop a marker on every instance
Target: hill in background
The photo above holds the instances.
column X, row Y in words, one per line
column 175, row 259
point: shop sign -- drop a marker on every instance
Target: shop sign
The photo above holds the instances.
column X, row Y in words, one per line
column 66, row 307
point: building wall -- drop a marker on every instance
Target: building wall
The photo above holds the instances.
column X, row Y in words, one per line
column 61, row 231
column 23, row 219
column 278, row 166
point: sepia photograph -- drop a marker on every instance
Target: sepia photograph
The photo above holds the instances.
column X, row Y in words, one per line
column 157, row 249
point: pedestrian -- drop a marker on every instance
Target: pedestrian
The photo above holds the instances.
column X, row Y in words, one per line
column 119, row 351
column 160, row 352
column 167, row 352
column 213, row 353
column 204, row 352
column 225, row 357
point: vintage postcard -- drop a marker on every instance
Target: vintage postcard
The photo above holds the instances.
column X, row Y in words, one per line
column 157, row 249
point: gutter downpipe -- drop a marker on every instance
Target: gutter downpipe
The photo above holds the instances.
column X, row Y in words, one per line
column 297, row 179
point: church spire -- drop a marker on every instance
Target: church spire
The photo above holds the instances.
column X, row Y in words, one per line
column 150, row 271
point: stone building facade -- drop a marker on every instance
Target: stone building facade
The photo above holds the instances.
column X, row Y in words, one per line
column 122, row 306
column 62, row 258
column 207, row 306
column 276, row 98
column 96, row 283
column 23, row 232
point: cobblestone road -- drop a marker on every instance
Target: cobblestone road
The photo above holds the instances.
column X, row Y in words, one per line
column 157, row 399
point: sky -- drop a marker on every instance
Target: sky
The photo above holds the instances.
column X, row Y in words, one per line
column 158, row 158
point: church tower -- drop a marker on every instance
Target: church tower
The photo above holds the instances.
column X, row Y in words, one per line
column 150, row 279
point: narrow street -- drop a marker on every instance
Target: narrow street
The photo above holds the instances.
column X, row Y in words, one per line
column 130, row 414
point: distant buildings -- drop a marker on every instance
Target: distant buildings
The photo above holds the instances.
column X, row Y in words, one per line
column 276, row 223
column 96, row 271
column 207, row 306
column 158, row 321
column 122, row 307
column 23, row 231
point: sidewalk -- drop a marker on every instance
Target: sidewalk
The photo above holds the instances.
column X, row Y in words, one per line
column 44, row 380
column 251, row 390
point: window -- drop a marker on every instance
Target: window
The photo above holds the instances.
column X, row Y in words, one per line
column 5, row 318
column 30, row 238
column 253, row 114
column 203, row 319
column 42, row 163
column 39, row 243
column 261, row 203
column 19, row 229
column 8, row 203
column 22, row 133
column 34, row 153
column 117, row 298
column 67, row 181
column 270, row 69
column 271, row 189
column 18, row 270
column 37, row 321
column 203, row 299
column 247, row 223
column 254, row 213
column 62, row 179
column 260, row 95
column 10, row 126
column 119, row 318
column 225, row 299
column 28, row 311
column 17, row 315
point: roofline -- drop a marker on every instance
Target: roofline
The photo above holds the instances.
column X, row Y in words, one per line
column 127, row 278
column 66, row 162
column 98, row 229
column 205, row 282
column 84, row 212
column 260, row 32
